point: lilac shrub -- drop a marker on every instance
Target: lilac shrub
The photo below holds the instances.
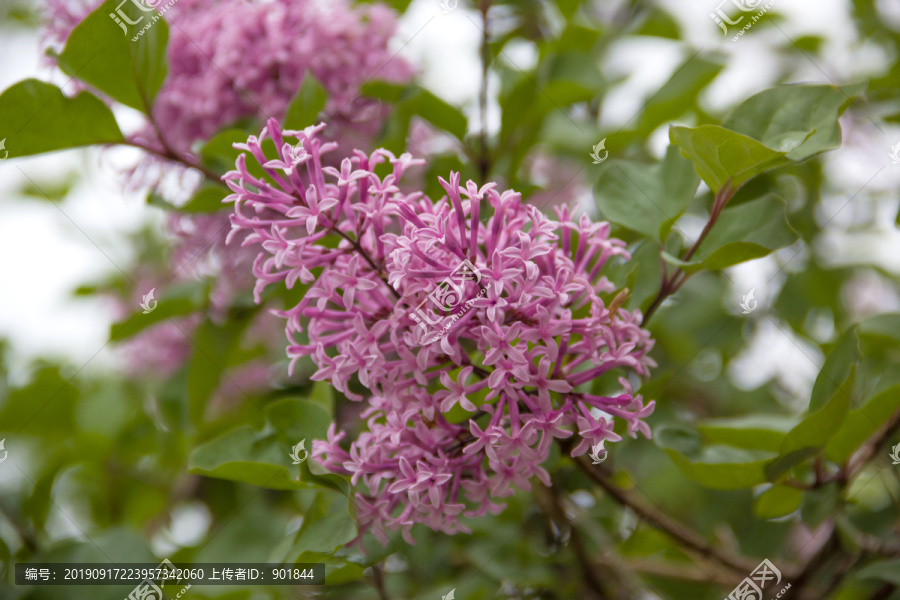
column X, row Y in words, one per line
column 536, row 331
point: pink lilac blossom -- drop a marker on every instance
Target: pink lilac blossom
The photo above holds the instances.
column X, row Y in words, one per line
column 456, row 421
column 235, row 59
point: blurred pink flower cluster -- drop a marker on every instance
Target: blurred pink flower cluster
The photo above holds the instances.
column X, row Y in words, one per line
column 233, row 59
column 536, row 330
column 230, row 60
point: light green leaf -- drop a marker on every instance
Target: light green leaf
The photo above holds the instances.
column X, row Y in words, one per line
column 306, row 105
column 647, row 199
column 753, row 432
column 782, row 116
column 679, row 93
column 777, row 501
column 100, row 52
column 717, row 467
column 36, row 117
column 723, row 157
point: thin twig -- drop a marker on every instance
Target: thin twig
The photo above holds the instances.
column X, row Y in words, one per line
column 680, row 533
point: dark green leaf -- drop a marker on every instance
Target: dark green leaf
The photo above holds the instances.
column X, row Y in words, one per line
column 306, row 105
column 114, row 59
column 248, row 456
column 36, row 117
column 836, row 368
column 647, row 198
column 782, row 116
column 744, row 232
column 777, row 501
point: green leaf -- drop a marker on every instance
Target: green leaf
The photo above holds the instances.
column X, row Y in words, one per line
column 723, row 157
column 819, row 504
column 717, row 467
column 212, row 348
column 782, row 116
column 679, row 93
column 777, row 501
column 836, row 368
column 413, row 100
column 327, row 525
column 862, row 423
column 647, row 199
column 177, row 301
column 744, row 232
column 306, row 105
column 297, row 419
column 883, row 570
column 753, row 432
column 109, row 57
column 36, row 117
column 248, row 456
column 813, row 432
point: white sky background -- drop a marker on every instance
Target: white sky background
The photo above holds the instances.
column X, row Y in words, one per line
column 48, row 250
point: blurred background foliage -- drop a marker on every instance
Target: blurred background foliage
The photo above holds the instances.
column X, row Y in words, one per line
column 772, row 429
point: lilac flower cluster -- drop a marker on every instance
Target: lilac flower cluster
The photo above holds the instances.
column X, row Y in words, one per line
column 233, row 59
column 456, row 421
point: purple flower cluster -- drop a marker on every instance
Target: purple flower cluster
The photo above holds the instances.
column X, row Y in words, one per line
column 459, row 419
column 233, row 59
